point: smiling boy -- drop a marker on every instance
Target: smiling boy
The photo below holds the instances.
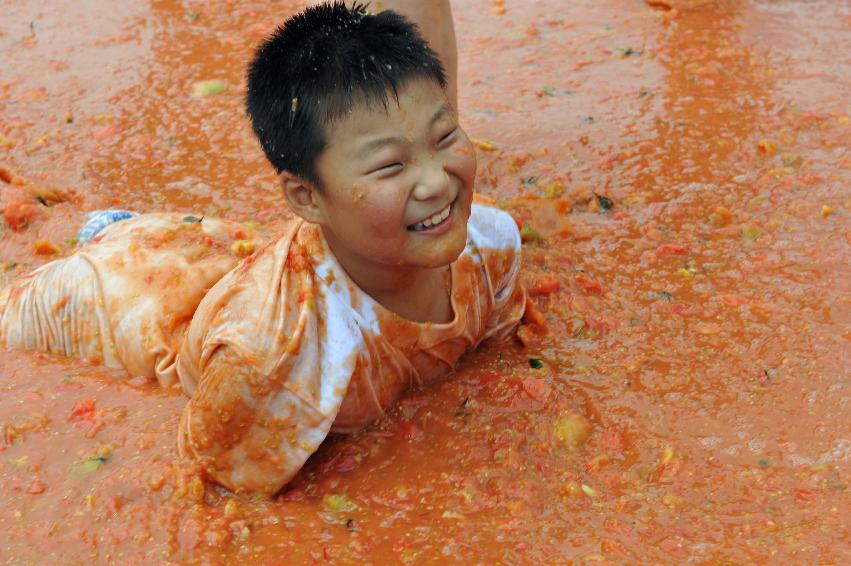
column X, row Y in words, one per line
column 388, row 276
column 393, row 195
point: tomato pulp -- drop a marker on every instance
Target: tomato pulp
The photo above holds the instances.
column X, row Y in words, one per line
column 681, row 173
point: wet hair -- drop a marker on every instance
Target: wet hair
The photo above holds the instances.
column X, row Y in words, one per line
column 318, row 65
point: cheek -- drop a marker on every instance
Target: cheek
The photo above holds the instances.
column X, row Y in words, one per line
column 463, row 161
column 358, row 195
column 383, row 211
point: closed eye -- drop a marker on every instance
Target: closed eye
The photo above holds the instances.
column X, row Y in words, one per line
column 387, row 168
column 447, row 136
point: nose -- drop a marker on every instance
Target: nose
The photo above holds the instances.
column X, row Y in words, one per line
column 433, row 181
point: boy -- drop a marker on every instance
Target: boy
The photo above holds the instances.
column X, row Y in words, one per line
column 390, row 274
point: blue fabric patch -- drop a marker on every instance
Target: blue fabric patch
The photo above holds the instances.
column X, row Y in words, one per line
column 100, row 219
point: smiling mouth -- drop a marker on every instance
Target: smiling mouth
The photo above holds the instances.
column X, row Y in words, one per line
column 434, row 221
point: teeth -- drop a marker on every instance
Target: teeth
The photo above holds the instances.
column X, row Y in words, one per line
column 436, row 219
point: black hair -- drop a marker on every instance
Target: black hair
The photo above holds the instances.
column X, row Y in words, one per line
column 315, row 67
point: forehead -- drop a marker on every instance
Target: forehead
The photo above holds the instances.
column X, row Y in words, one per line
column 407, row 115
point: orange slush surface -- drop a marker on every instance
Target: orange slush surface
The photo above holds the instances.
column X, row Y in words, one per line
column 682, row 175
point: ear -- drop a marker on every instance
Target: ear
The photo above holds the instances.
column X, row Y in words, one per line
column 302, row 197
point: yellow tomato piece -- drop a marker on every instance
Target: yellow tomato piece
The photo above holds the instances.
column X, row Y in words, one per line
column 242, row 248
column 573, row 429
column 485, row 145
column 45, row 247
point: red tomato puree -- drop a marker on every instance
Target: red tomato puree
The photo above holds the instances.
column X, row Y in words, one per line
column 681, row 170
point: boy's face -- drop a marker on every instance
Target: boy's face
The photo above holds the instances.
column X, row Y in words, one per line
column 397, row 183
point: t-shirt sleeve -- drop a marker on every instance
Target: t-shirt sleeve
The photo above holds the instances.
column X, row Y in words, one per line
column 265, row 374
column 497, row 240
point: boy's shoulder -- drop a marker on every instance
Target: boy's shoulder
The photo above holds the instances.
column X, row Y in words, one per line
column 492, row 228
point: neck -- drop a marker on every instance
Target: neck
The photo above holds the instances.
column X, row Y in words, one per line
column 415, row 293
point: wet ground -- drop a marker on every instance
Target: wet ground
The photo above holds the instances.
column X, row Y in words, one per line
column 683, row 172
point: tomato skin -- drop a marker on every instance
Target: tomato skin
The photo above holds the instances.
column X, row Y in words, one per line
column 589, row 286
column 671, row 250
column 6, row 176
column 543, row 284
column 18, row 214
column 538, row 389
column 83, row 410
column 37, row 487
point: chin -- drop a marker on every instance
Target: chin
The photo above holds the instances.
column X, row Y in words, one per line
column 451, row 249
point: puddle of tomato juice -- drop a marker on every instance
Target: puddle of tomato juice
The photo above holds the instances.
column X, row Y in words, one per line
column 682, row 177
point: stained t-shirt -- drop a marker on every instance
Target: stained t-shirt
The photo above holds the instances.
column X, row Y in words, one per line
column 283, row 347
column 286, row 348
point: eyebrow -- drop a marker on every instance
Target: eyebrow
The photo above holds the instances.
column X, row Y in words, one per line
column 379, row 143
column 441, row 112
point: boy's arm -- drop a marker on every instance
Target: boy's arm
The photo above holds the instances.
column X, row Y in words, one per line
column 267, row 361
column 249, row 433
column 434, row 18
